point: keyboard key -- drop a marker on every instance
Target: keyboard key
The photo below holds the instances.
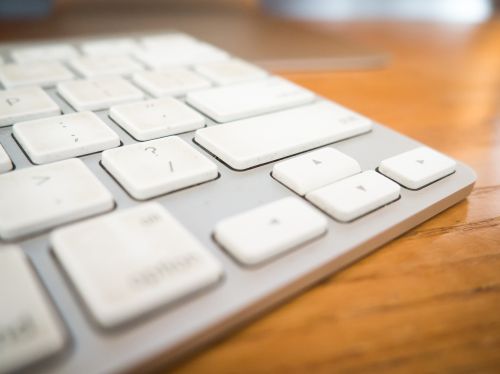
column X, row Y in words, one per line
column 36, row 73
column 157, row 167
column 23, row 104
column 50, row 52
column 171, row 82
column 417, row 168
column 230, row 103
column 29, row 328
column 254, row 141
column 94, row 66
column 110, row 47
column 151, row 119
column 316, row 169
column 150, row 257
column 355, row 196
column 168, row 41
column 98, row 93
column 42, row 197
column 5, row 162
column 58, row 138
column 230, row 71
column 267, row 231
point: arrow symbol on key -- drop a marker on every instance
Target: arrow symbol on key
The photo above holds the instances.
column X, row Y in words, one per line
column 274, row 221
column 361, row 188
column 12, row 100
column 41, row 180
column 316, row 162
column 421, row 162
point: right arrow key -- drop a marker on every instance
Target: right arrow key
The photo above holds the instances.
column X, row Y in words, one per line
column 417, row 168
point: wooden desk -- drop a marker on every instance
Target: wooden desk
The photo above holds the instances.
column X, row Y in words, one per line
column 430, row 300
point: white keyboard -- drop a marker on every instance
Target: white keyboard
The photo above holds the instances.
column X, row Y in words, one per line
column 156, row 189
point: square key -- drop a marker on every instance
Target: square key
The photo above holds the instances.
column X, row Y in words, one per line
column 157, row 167
column 151, row 119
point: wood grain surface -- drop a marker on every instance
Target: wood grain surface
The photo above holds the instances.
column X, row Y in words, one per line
column 428, row 302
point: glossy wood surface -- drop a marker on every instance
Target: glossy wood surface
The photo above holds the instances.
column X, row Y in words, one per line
column 430, row 300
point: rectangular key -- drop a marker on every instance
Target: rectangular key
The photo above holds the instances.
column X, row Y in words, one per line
column 58, row 138
column 157, row 167
column 230, row 103
column 315, row 169
column 151, row 259
column 23, row 104
column 36, row 73
column 50, row 52
column 417, row 168
column 98, row 66
column 29, row 327
column 110, row 47
column 98, row 93
column 5, row 162
column 254, row 141
column 41, row 197
column 230, row 71
column 170, row 82
column 355, row 196
column 257, row 235
column 151, row 119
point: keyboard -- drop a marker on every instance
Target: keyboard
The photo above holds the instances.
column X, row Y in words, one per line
column 157, row 192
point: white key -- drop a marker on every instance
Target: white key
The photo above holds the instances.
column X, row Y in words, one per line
column 5, row 162
column 110, row 47
column 29, row 327
column 168, row 41
column 151, row 119
column 171, row 82
column 158, row 166
column 230, row 72
column 99, row 93
column 315, row 169
column 230, row 103
column 355, row 196
column 127, row 263
column 36, row 73
column 51, row 52
column 417, row 168
column 23, row 104
column 95, row 66
column 41, row 197
column 71, row 135
column 181, row 54
column 254, row 141
column 269, row 230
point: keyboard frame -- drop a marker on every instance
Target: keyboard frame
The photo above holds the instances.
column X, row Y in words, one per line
column 174, row 331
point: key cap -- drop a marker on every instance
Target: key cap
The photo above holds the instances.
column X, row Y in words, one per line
column 230, row 71
column 230, row 103
column 36, row 73
column 29, row 327
column 167, row 41
column 110, row 47
column 254, row 141
column 257, row 235
column 98, row 93
column 23, row 104
column 151, row 259
column 355, row 196
column 158, row 166
column 96, row 66
column 315, row 169
column 41, row 197
column 58, row 138
column 151, row 119
column 5, row 162
column 181, row 54
column 169, row 82
column 50, row 52
column 417, row 168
